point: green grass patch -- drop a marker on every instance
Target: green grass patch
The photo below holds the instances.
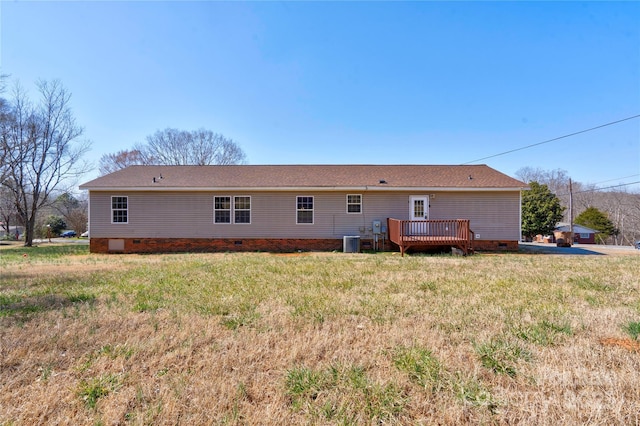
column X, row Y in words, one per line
column 24, row 305
column 588, row 283
column 343, row 394
column 303, row 383
column 90, row 391
column 632, row 329
column 424, row 369
column 421, row 366
column 245, row 318
column 81, row 298
column 427, row 286
column 473, row 392
column 500, row 356
column 115, row 351
column 544, row 333
column 50, row 252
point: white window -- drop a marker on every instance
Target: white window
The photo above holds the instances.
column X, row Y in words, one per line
column 222, row 209
column 119, row 209
column 354, row 203
column 242, row 209
column 304, row 209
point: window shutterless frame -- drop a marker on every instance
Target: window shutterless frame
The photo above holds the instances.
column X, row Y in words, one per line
column 304, row 210
column 119, row 209
column 222, row 209
column 242, row 209
column 354, row 203
column 229, row 209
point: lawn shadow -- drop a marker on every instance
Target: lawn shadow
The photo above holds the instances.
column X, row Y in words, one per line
column 24, row 309
column 532, row 248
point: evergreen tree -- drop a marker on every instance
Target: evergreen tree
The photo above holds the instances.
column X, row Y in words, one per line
column 55, row 224
column 541, row 210
column 599, row 221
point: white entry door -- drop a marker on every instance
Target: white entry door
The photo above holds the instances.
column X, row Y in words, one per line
column 419, row 211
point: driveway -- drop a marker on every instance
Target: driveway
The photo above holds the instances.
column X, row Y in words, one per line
column 577, row 249
column 78, row 241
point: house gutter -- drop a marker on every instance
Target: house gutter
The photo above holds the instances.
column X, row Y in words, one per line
column 297, row 188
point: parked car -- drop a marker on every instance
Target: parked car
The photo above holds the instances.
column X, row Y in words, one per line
column 68, row 234
column 637, row 244
column 85, row 234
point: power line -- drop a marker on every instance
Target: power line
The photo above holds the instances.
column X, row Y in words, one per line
column 618, row 179
column 606, row 187
column 600, row 189
column 554, row 139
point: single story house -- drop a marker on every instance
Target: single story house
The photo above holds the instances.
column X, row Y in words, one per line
column 581, row 234
column 298, row 207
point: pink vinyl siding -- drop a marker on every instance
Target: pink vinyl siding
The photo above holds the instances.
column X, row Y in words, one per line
column 183, row 214
column 493, row 215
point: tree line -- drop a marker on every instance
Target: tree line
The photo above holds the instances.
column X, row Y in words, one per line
column 615, row 214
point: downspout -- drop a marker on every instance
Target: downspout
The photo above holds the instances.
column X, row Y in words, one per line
column 520, row 216
column 89, row 217
column 571, row 211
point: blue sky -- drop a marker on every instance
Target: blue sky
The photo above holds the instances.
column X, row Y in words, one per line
column 348, row 82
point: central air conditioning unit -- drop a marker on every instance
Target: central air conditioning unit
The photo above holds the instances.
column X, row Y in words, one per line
column 351, row 244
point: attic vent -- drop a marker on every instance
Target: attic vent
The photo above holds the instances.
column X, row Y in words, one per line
column 382, row 181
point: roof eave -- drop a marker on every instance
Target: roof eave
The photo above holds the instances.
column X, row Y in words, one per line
column 303, row 188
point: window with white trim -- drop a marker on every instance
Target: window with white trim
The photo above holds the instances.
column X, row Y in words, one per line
column 354, row 203
column 242, row 209
column 304, row 209
column 222, row 209
column 119, row 209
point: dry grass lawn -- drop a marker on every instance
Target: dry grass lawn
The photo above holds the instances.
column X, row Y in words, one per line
column 326, row 338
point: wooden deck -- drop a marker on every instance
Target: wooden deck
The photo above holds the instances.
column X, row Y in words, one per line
column 421, row 233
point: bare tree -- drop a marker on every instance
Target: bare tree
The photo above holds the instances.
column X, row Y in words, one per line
column 73, row 210
column 4, row 116
column 177, row 147
column 42, row 149
column 110, row 163
column 623, row 209
column 199, row 147
column 556, row 180
column 8, row 214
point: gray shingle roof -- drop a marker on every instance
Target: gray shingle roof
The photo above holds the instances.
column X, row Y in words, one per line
column 281, row 177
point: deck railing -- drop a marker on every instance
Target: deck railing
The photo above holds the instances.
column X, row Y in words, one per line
column 441, row 232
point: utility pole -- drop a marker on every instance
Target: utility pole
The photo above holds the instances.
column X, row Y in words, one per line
column 571, row 210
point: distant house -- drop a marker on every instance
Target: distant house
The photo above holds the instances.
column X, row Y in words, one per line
column 295, row 207
column 581, row 234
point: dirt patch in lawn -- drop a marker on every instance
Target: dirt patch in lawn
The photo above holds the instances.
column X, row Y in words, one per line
column 628, row 344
